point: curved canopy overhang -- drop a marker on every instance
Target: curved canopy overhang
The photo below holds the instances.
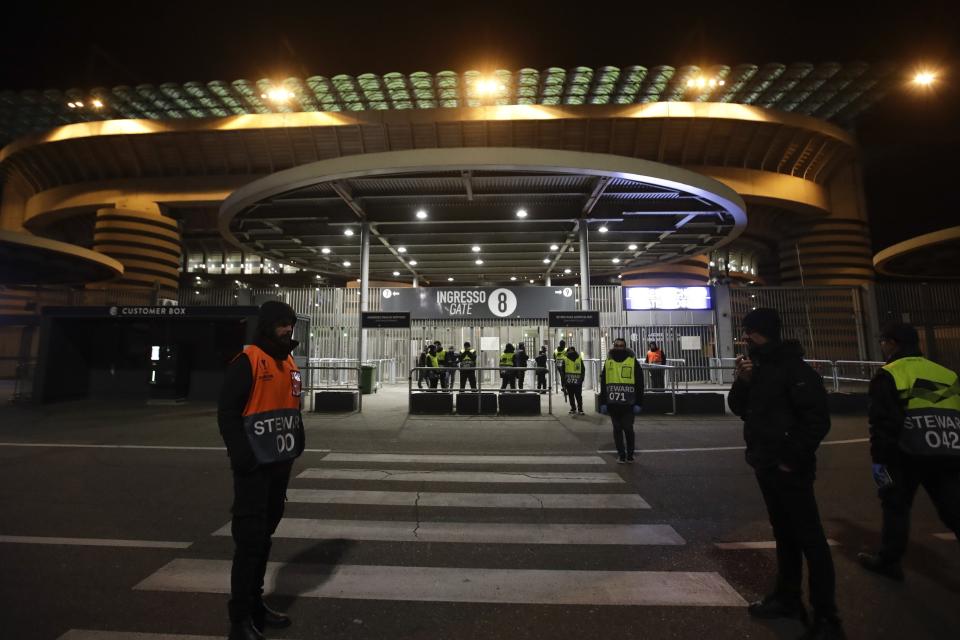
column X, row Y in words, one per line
column 471, row 196
column 931, row 255
column 29, row 259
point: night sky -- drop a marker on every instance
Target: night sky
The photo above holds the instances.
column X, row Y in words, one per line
column 910, row 140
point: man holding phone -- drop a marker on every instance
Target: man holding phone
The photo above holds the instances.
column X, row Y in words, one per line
column 784, row 409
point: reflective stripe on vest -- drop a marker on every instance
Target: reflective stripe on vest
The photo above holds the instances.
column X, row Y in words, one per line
column 931, row 397
column 506, row 359
column 572, row 369
column 620, row 379
column 271, row 417
column 468, row 358
column 433, row 360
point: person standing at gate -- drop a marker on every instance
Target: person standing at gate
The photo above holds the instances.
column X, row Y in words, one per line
column 914, row 422
column 468, row 364
column 423, row 361
column 507, row 376
column 441, row 362
column 558, row 357
column 621, row 395
column 541, row 361
column 433, row 374
column 573, row 373
column 784, row 409
column 520, row 359
column 262, row 385
column 450, row 360
column 655, row 356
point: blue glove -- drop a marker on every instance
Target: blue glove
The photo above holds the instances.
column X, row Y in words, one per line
column 881, row 476
column 603, row 409
column 637, row 409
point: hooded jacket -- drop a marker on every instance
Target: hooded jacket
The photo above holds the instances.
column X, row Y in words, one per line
column 238, row 382
column 783, row 407
column 619, row 355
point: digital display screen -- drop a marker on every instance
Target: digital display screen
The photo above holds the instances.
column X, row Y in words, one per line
column 155, row 352
column 666, row 298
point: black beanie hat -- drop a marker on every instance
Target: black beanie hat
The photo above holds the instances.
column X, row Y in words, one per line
column 273, row 313
column 764, row 321
column 902, row 333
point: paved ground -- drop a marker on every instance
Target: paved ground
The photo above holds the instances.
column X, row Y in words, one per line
column 471, row 528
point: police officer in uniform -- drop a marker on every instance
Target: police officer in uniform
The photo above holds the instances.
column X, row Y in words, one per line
column 573, row 373
column 468, row 362
column 914, row 440
column 260, row 422
column 621, row 396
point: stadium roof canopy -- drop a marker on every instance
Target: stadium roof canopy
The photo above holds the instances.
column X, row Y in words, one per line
column 828, row 91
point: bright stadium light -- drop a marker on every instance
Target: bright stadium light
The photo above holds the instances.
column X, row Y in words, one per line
column 475, row 249
column 450, row 279
column 478, row 261
column 521, row 213
column 421, row 215
column 554, row 247
column 396, row 273
column 924, row 78
column 603, row 228
column 546, row 261
column 348, row 232
column 97, row 103
column 631, row 247
column 346, row 263
column 567, row 271
column 401, row 249
column 324, row 251
column 277, row 95
column 413, row 263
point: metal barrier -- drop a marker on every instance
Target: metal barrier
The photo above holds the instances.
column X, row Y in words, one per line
column 338, row 382
column 441, row 383
column 386, row 367
column 855, row 371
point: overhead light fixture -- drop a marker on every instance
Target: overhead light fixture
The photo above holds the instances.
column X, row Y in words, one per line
column 567, row 271
column 318, row 276
column 346, row 263
column 396, row 273
column 276, row 284
column 712, row 263
column 450, row 279
column 348, row 231
column 554, row 247
column 413, row 263
column 546, row 261
column 924, row 78
column 603, row 228
column 277, row 94
column 513, row 278
column 475, row 249
column 478, row 261
column 401, row 249
column 631, row 247
column 97, row 103
column 521, row 213
column 531, row 280
column 615, row 261
column 421, row 214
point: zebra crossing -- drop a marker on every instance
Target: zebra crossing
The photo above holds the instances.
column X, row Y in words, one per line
column 597, row 491
column 538, row 503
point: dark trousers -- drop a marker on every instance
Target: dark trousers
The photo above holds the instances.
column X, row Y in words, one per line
column 258, row 501
column 943, row 487
column 561, row 383
column 468, row 375
column 421, row 378
column 793, row 512
column 656, row 378
column 623, row 429
column 520, row 375
column 508, row 379
column 541, row 380
column 575, row 395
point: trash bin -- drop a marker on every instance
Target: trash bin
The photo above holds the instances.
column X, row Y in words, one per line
column 368, row 378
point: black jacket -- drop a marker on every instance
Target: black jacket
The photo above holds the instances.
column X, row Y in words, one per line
column 620, row 356
column 234, row 394
column 886, row 415
column 520, row 358
column 783, row 407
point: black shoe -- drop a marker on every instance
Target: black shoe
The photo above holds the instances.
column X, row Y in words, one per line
column 777, row 606
column 629, row 458
column 621, row 460
column 824, row 629
column 876, row 564
column 267, row 617
column 244, row 630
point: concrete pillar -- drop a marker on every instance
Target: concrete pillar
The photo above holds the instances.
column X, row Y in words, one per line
column 364, row 283
column 147, row 243
column 584, row 267
column 547, row 282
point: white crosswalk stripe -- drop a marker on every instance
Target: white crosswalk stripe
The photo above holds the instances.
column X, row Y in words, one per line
column 475, row 532
column 471, row 500
column 405, row 475
column 442, row 584
column 511, row 515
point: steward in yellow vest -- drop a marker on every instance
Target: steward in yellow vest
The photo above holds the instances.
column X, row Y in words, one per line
column 507, row 377
column 914, row 440
column 621, row 396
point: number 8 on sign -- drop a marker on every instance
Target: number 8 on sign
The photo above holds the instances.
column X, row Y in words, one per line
column 502, row 303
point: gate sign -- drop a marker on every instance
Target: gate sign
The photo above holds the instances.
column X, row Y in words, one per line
column 581, row 319
column 478, row 302
column 385, row 319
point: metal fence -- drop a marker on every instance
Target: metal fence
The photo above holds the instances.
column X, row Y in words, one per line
column 934, row 308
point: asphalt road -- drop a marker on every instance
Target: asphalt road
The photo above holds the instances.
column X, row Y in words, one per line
column 121, row 534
